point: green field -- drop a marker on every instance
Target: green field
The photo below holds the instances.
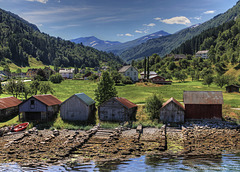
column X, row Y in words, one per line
column 138, row 93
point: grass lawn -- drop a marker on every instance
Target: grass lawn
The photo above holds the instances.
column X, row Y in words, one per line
column 138, row 93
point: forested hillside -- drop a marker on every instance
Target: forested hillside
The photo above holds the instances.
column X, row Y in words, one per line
column 165, row 45
column 20, row 40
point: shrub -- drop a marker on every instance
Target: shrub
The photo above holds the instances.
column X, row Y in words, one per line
column 56, row 78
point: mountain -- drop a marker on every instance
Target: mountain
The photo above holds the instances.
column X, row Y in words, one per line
column 115, row 46
column 165, row 45
column 21, row 40
column 95, row 42
column 117, row 49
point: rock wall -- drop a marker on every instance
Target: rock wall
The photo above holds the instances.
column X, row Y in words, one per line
column 206, row 140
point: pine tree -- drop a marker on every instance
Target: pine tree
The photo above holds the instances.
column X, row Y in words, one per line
column 145, row 64
column 148, row 68
column 105, row 88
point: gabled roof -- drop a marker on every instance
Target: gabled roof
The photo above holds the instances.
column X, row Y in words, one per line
column 232, row 86
column 85, row 98
column 153, row 76
column 174, row 101
column 125, row 68
column 202, row 97
column 8, row 102
column 48, row 99
column 125, row 102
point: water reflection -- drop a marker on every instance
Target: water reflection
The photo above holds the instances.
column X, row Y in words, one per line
column 229, row 162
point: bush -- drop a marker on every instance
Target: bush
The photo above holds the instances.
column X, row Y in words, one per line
column 126, row 80
column 56, row 78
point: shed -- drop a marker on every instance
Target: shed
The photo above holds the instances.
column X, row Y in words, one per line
column 78, row 107
column 117, row 109
column 8, row 107
column 203, row 104
column 172, row 112
column 159, row 80
column 232, row 88
column 39, row 107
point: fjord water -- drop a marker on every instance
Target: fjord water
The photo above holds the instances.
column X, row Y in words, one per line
column 226, row 162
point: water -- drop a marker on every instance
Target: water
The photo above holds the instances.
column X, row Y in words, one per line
column 227, row 162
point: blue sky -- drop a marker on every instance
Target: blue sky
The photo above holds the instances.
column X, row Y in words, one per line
column 114, row 20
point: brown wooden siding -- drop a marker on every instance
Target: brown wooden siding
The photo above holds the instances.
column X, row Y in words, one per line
column 197, row 111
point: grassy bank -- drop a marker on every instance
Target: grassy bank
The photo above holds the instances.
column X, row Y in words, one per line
column 137, row 93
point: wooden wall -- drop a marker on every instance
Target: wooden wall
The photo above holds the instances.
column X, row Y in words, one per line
column 198, row 111
column 171, row 113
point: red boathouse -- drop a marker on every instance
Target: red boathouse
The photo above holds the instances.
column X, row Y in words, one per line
column 203, row 104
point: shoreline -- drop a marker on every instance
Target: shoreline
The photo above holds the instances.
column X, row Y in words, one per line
column 52, row 147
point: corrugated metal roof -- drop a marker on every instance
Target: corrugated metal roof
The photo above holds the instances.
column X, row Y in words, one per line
column 202, row 97
column 175, row 101
column 8, row 102
column 150, row 73
column 125, row 102
column 85, row 98
column 48, row 99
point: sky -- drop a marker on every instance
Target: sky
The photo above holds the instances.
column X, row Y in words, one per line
column 114, row 20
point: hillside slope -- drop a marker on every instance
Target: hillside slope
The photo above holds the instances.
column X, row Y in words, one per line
column 20, row 40
column 165, row 45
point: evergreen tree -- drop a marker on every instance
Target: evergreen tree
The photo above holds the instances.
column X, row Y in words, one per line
column 153, row 105
column 145, row 67
column 148, row 68
column 105, row 88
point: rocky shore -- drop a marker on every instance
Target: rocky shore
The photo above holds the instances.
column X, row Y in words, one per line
column 42, row 147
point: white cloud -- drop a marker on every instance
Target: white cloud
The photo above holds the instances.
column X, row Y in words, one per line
column 209, row 12
column 177, row 20
column 138, row 31
column 41, row 1
column 157, row 18
column 198, row 18
column 127, row 34
column 150, row 24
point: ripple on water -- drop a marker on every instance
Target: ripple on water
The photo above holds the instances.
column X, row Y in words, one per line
column 227, row 162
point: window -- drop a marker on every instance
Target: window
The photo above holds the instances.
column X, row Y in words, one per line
column 32, row 104
column 128, row 73
column 135, row 73
column 131, row 69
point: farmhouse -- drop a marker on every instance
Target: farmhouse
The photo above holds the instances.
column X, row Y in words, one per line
column 117, row 109
column 172, row 112
column 8, row 107
column 159, row 80
column 39, row 107
column 130, row 71
column 202, row 54
column 203, row 104
column 66, row 73
column 232, row 88
column 78, row 107
column 31, row 73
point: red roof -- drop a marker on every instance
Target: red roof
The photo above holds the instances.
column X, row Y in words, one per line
column 175, row 101
column 8, row 102
column 48, row 99
column 126, row 102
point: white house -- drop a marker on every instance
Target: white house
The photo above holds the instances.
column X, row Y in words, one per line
column 130, row 71
column 66, row 73
column 202, row 54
